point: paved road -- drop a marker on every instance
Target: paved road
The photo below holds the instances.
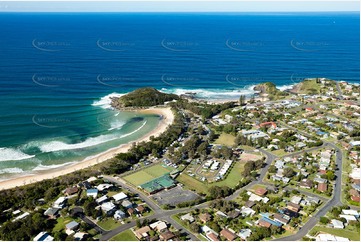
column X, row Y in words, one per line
column 155, row 207
column 166, row 214
column 77, row 211
column 339, row 91
column 334, row 201
column 159, row 213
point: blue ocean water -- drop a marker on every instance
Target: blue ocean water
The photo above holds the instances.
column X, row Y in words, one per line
column 57, row 70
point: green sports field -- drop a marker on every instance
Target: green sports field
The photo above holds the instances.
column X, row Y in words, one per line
column 147, row 174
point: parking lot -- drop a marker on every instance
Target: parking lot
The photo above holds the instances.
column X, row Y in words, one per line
column 174, row 196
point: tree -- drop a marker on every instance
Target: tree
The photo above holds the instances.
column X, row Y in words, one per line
column 324, row 220
column 242, row 100
column 194, row 227
column 288, row 172
column 272, row 169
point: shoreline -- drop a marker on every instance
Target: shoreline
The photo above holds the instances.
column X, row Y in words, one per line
column 167, row 118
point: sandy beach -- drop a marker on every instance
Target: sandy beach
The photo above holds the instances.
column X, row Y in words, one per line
column 167, row 119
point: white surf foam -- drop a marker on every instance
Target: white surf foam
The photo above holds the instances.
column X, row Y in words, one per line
column 105, row 101
column 48, row 167
column 117, row 124
column 11, row 170
column 13, row 154
column 59, row 145
column 285, row 87
column 214, row 93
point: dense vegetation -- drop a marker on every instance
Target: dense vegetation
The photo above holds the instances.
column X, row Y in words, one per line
column 270, row 89
column 143, row 97
column 203, row 109
column 26, row 197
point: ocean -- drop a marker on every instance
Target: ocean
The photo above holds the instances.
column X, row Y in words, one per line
column 58, row 70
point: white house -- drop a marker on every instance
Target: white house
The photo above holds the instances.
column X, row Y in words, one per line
column 337, row 224
column 43, row 236
column 120, row 196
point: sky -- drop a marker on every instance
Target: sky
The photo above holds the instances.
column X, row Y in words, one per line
column 179, row 6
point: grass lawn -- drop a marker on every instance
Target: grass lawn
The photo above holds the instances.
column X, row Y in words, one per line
column 354, row 236
column 109, row 224
column 127, row 235
column 255, row 187
column 285, row 234
column 247, row 148
column 225, row 139
column 310, row 85
column 179, row 221
column 61, row 222
column 147, row 174
column 192, row 183
column 232, row 179
column 280, row 152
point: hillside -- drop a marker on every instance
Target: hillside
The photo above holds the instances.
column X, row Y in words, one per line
column 143, row 97
column 270, row 89
column 309, row 86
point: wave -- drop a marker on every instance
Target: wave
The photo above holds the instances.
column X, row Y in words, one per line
column 213, row 93
column 7, row 154
column 105, row 101
column 48, row 167
column 116, row 125
column 58, row 145
column 11, row 170
column 286, row 87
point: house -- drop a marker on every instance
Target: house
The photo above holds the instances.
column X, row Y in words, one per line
column 351, row 212
column 79, row 236
column 349, row 218
column 260, row 191
column 212, row 236
column 320, row 180
column 306, row 183
column 247, row 211
column 102, row 199
column 234, row 213
column 293, row 207
column 279, row 164
column 127, row 204
column 159, row 226
column 130, row 211
column 92, row 193
column 71, row 190
column 72, row 225
column 142, row 233
column 282, row 218
column 140, row 209
column 290, row 213
column 188, row 217
column 43, row 236
column 60, row 202
column 314, row 200
column 337, row 224
column 108, row 207
column 119, row 214
column 296, row 199
column 249, row 204
column 226, row 233
column 166, row 235
column 120, row 196
column 103, row 187
column 329, row 237
column 264, row 223
column 244, row 233
column 52, row 213
column 204, row 217
column 322, row 187
column 221, row 214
